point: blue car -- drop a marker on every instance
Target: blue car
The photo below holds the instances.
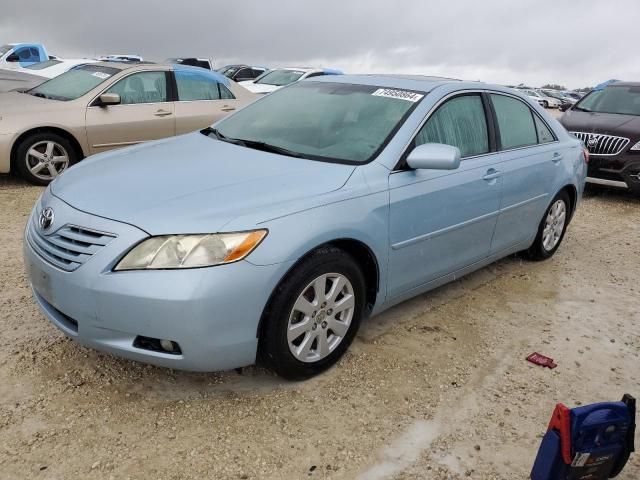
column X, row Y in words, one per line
column 270, row 236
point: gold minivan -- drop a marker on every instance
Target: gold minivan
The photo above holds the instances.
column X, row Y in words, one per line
column 96, row 107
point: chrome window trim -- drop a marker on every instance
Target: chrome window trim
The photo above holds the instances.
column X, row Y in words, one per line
column 90, row 104
column 478, row 91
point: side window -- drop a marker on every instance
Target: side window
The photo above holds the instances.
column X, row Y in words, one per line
column 256, row 72
column 24, row 54
column 515, row 122
column 544, row 134
column 460, row 122
column 225, row 93
column 194, row 85
column 143, row 87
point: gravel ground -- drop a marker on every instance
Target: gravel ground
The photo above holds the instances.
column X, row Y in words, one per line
column 437, row 387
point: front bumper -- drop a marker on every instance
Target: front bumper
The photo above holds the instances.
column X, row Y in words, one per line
column 621, row 171
column 212, row 313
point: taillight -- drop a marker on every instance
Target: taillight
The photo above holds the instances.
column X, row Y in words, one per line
column 585, row 152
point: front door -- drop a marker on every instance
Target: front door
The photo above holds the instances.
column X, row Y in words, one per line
column 442, row 221
column 145, row 113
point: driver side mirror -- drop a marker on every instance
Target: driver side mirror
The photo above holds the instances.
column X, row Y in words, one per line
column 107, row 99
column 434, row 156
column 13, row 58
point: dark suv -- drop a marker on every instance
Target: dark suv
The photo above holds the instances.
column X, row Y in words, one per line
column 608, row 122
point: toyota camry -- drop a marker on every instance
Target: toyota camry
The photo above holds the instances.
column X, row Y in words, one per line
column 272, row 234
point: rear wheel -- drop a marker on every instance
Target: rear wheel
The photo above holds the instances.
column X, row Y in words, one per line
column 545, row 104
column 314, row 315
column 551, row 229
column 41, row 157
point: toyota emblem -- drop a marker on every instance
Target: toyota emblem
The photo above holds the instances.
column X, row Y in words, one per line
column 46, row 218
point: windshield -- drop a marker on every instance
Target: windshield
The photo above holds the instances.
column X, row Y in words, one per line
column 624, row 100
column 322, row 121
column 231, row 71
column 43, row 65
column 74, row 83
column 280, row 77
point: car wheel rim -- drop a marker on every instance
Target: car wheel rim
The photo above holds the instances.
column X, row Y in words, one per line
column 320, row 317
column 46, row 160
column 554, row 225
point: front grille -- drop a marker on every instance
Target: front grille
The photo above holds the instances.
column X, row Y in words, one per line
column 68, row 247
column 599, row 144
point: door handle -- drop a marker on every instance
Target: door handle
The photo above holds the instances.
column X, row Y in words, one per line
column 227, row 108
column 556, row 157
column 492, row 174
column 162, row 113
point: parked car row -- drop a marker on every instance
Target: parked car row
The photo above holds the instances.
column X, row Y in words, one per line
column 549, row 98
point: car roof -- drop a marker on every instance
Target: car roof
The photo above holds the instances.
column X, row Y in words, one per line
column 179, row 67
column 422, row 83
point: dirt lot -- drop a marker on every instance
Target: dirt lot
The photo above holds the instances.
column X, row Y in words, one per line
column 435, row 388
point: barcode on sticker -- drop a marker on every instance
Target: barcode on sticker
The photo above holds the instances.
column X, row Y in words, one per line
column 580, row 459
column 101, row 75
column 401, row 94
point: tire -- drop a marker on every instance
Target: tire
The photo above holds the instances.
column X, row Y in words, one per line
column 329, row 266
column 545, row 104
column 544, row 246
column 40, row 157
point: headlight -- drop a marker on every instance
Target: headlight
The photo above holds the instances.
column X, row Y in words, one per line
column 191, row 251
column 636, row 147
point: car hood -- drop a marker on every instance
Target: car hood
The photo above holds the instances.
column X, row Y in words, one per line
column 23, row 103
column 607, row 123
column 194, row 184
column 260, row 87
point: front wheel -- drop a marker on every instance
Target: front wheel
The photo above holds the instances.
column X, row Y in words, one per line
column 313, row 315
column 551, row 229
column 41, row 157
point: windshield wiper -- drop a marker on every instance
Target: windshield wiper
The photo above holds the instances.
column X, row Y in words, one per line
column 580, row 109
column 216, row 133
column 255, row 144
column 267, row 147
column 38, row 94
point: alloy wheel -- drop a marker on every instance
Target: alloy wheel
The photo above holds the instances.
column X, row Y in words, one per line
column 554, row 225
column 320, row 317
column 46, row 160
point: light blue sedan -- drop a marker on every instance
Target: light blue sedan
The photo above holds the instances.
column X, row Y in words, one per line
column 272, row 235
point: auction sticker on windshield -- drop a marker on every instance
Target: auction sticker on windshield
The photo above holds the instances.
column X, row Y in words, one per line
column 101, row 75
column 401, row 94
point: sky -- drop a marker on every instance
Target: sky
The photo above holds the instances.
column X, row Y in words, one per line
column 575, row 43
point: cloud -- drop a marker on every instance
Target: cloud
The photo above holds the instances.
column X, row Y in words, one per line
column 574, row 43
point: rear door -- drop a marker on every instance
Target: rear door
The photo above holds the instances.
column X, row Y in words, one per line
column 531, row 160
column 443, row 220
column 201, row 99
column 145, row 113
